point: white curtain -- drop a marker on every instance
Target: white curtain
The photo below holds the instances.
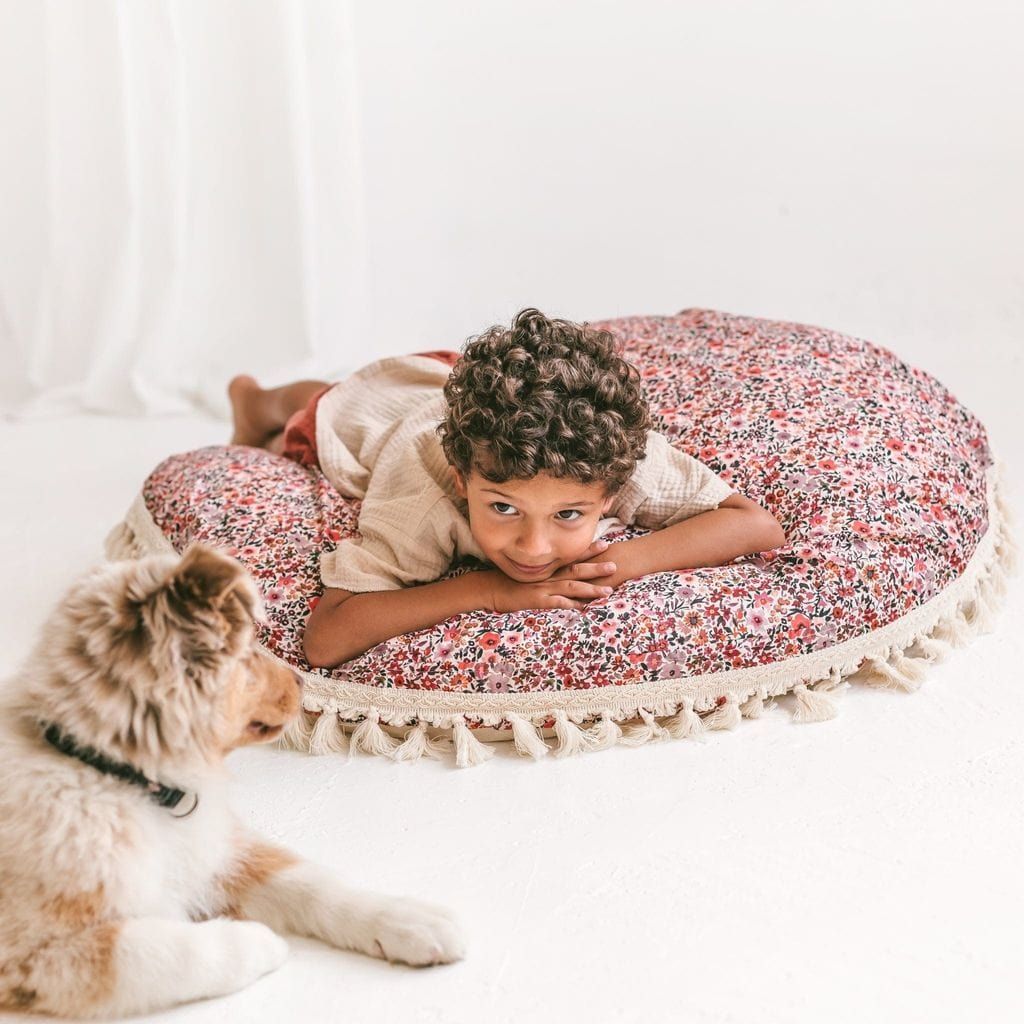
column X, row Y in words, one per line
column 179, row 199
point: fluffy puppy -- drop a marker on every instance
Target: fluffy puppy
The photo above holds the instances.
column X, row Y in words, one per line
column 125, row 884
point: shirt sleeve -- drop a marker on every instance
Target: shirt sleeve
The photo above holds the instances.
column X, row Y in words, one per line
column 667, row 487
column 403, row 541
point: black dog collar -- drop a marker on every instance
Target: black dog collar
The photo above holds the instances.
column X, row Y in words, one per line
column 165, row 796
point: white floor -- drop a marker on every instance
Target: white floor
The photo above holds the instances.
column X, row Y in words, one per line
column 864, row 869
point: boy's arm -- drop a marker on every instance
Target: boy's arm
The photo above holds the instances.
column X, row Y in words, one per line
column 343, row 625
column 737, row 527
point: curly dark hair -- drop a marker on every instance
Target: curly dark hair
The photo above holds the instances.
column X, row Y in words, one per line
column 548, row 396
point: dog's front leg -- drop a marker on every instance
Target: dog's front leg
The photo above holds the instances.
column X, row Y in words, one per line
column 142, row 964
column 290, row 895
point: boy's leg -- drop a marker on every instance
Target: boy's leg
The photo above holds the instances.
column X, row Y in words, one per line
column 260, row 414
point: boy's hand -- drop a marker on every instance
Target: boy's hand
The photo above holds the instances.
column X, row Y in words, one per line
column 566, row 588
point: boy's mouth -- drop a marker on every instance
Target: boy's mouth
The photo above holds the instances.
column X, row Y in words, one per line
column 530, row 570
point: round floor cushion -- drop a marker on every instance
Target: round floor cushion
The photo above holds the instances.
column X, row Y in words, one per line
column 896, row 545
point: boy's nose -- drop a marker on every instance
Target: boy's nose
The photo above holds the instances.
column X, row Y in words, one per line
column 533, row 544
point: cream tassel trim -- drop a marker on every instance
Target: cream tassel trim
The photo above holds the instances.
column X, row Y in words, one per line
column 932, row 648
column 686, row 722
column 527, row 740
column 637, row 735
column 370, row 738
column 754, row 706
column 813, row 706
column 297, row 734
column 877, row 671
column 604, row 733
column 725, row 716
column 571, row 739
column 327, row 736
column 121, row 545
column 469, row 751
column 419, row 743
column 953, row 630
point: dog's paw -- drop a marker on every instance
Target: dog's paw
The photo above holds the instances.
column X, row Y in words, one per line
column 244, row 950
column 411, row 932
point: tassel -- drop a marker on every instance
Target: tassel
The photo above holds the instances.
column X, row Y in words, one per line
column 569, row 735
column 327, row 736
column 932, row 648
column 725, row 716
column 753, row 706
column 1009, row 555
column 876, row 671
column 812, row 706
column 418, row 743
column 414, row 746
column 469, row 751
column 527, row 740
column 987, row 608
column 911, row 668
column 297, row 733
column 638, row 735
column 686, row 722
column 953, row 630
column 120, row 544
column 604, row 733
column 996, row 584
column 370, row 738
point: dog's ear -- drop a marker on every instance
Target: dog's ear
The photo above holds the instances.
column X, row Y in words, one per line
column 204, row 577
column 207, row 606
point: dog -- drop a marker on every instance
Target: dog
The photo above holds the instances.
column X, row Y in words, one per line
column 126, row 886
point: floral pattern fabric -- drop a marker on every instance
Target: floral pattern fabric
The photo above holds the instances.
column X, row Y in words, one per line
column 874, row 469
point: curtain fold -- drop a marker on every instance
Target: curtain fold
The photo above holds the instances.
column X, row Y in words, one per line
column 182, row 200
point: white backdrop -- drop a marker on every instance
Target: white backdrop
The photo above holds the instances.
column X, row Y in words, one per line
column 180, row 197
column 201, row 188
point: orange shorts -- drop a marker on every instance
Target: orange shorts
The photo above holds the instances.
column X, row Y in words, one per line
column 300, row 430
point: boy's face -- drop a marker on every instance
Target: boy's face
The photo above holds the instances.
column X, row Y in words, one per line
column 531, row 528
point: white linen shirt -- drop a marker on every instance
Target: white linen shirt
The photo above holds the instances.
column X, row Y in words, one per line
column 376, row 440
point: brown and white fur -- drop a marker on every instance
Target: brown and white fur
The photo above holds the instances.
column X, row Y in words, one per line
column 110, row 905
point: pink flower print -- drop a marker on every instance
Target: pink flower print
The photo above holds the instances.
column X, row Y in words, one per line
column 499, row 678
column 800, row 628
column 894, row 444
column 860, row 528
column 673, row 667
column 692, row 619
column 757, row 621
column 489, row 641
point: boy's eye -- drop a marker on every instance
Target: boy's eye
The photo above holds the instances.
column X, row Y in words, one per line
column 567, row 515
column 503, row 508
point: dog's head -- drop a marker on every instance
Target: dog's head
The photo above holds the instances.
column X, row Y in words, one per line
column 153, row 662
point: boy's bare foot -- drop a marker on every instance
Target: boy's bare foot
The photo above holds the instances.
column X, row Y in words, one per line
column 248, row 414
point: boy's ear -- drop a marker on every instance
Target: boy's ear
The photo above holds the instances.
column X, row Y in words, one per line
column 460, row 482
column 608, row 502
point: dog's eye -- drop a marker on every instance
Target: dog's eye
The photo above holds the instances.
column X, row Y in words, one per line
column 263, row 731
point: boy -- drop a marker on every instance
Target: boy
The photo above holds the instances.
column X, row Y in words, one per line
column 515, row 453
